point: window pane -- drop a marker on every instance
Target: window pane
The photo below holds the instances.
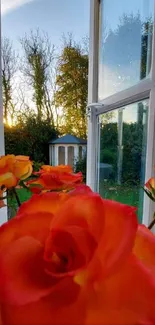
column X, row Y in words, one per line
column 125, row 44
column 61, row 155
column 121, row 165
column 53, row 155
column 71, row 156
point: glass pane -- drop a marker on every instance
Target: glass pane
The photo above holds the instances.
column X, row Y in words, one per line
column 121, row 165
column 61, row 155
column 71, row 156
column 125, row 44
column 53, row 155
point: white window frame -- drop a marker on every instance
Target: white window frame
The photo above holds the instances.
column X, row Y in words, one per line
column 143, row 90
column 3, row 211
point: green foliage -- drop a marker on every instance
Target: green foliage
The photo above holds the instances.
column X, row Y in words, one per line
column 37, row 165
column 30, row 138
column 107, row 156
column 72, row 85
column 81, row 167
column 132, row 150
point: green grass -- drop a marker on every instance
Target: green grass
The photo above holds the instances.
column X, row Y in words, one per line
column 124, row 194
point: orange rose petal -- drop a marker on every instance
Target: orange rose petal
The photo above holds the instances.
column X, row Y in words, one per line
column 22, row 158
column 36, row 225
column 59, row 168
column 18, row 166
column 73, row 243
column 81, row 189
column 36, row 190
column 86, row 211
column 69, row 179
column 111, row 317
column 22, row 276
column 50, row 181
column 152, row 182
column 22, row 169
column 119, row 234
column 6, row 161
column 8, row 179
column 45, row 202
column 49, row 310
column 115, row 244
column 2, row 162
column 124, row 298
column 46, row 181
column 144, row 247
column 55, row 180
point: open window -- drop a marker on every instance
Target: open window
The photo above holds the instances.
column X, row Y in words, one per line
column 121, row 101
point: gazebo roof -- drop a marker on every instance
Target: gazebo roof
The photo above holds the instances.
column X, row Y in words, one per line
column 68, row 139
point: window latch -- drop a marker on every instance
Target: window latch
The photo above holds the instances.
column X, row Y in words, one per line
column 92, row 109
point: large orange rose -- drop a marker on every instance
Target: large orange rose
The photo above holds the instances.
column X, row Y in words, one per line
column 13, row 168
column 75, row 258
column 55, row 179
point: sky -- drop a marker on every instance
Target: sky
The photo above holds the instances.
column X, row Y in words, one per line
column 52, row 16
column 58, row 17
column 62, row 16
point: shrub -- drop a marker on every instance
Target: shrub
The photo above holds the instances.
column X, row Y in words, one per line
column 30, row 137
column 81, row 166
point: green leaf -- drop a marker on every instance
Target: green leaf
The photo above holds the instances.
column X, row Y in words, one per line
column 36, row 185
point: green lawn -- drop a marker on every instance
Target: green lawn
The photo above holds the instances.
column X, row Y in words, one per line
column 124, row 194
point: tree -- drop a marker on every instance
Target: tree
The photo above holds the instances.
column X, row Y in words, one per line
column 30, row 137
column 72, row 87
column 9, row 68
column 126, row 52
column 39, row 56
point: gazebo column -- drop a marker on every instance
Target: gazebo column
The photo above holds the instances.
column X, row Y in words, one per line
column 76, row 153
column 66, row 155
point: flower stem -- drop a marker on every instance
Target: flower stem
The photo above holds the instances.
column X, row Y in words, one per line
column 152, row 223
column 17, row 197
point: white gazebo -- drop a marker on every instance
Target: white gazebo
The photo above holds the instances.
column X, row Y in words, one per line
column 66, row 150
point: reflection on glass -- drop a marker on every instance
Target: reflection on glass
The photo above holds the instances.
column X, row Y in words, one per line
column 71, row 156
column 121, row 165
column 61, row 155
column 125, row 44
